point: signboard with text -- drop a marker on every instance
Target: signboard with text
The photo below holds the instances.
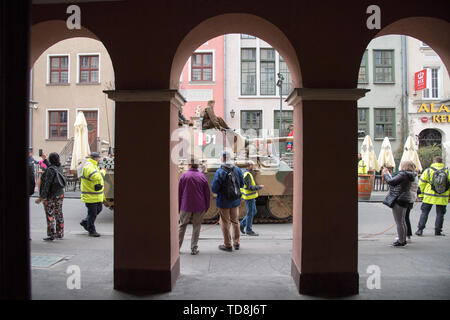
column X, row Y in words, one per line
column 420, row 80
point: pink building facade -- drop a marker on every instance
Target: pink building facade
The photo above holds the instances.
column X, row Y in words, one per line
column 202, row 78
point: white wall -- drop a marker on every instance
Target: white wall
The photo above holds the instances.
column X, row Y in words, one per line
column 384, row 95
column 233, row 73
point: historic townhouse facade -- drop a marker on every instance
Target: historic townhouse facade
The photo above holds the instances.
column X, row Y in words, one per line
column 252, row 95
column 67, row 78
column 429, row 108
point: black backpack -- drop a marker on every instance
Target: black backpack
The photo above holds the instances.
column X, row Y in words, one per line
column 231, row 187
column 439, row 183
column 59, row 182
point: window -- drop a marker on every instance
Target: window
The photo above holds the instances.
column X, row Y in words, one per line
column 89, row 69
column 384, row 66
column 247, row 36
column 432, row 89
column 287, row 83
column 201, row 67
column 248, row 72
column 363, row 76
column 287, row 119
column 267, row 65
column 251, row 120
column 363, row 122
column 57, row 128
column 384, row 123
column 59, row 69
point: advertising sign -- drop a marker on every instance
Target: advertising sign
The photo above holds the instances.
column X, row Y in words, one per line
column 420, row 80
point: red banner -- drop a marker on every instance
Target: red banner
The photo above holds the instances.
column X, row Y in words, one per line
column 420, row 80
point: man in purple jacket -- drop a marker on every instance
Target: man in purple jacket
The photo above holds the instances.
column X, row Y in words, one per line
column 193, row 201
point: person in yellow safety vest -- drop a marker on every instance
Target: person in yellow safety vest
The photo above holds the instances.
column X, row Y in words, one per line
column 429, row 193
column 249, row 194
column 92, row 192
column 362, row 167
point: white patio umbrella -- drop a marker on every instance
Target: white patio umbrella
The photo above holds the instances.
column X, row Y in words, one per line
column 368, row 155
column 410, row 153
column 81, row 142
column 386, row 157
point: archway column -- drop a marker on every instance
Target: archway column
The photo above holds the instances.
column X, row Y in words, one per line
column 146, row 254
column 325, row 221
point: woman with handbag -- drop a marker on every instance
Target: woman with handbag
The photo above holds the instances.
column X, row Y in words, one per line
column 399, row 197
column 51, row 193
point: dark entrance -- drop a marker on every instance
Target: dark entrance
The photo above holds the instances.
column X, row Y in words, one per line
column 429, row 137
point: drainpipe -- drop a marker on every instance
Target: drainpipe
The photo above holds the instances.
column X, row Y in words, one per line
column 405, row 87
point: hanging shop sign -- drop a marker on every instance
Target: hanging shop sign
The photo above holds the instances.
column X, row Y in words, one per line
column 442, row 116
column 420, row 80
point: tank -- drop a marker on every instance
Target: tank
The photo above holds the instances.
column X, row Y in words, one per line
column 275, row 200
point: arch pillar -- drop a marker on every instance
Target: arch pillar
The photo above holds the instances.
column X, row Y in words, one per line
column 146, row 253
column 325, row 221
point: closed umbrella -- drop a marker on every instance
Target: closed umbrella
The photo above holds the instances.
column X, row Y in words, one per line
column 81, row 142
column 368, row 155
column 410, row 153
column 386, row 157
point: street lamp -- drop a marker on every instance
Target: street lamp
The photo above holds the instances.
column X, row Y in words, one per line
column 232, row 113
column 280, row 85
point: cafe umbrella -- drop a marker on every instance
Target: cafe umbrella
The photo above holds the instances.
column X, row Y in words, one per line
column 365, row 181
column 386, row 157
column 410, row 153
column 81, row 148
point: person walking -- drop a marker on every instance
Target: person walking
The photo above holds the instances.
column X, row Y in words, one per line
column 193, row 201
column 398, row 198
column 249, row 194
column 51, row 193
column 92, row 192
column 413, row 198
column 434, row 186
column 227, row 182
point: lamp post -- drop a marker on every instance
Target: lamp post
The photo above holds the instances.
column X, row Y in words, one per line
column 280, row 85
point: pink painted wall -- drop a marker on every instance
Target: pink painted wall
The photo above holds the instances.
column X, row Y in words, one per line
column 217, row 86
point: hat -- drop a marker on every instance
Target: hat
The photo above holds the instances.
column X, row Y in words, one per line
column 95, row 155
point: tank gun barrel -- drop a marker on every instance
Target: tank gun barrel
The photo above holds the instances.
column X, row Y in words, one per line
column 272, row 140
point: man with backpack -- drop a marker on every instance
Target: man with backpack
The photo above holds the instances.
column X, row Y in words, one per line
column 434, row 187
column 227, row 183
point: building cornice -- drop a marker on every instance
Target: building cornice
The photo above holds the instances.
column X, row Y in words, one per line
column 319, row 94
column 146, row 96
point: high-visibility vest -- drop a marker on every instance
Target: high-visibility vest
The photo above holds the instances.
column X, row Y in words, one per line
column 362, row 168
column 91, row 176
column 248, row 194
column 428, row 194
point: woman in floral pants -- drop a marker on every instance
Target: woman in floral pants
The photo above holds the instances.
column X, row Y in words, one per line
column 52, row 195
